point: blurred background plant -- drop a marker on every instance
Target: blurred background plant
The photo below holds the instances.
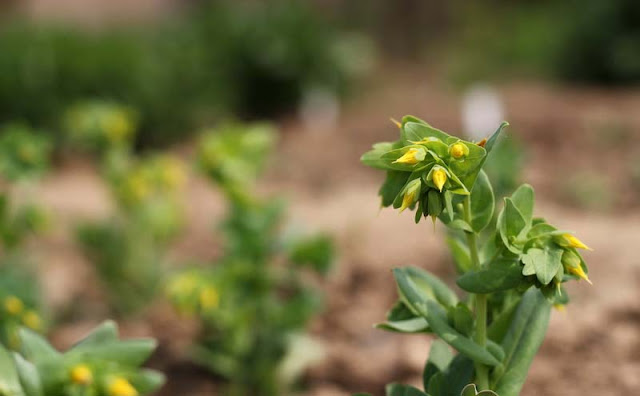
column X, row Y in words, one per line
column 128, row 250
column 24, row 156
column 214, row 59
column 256, row 299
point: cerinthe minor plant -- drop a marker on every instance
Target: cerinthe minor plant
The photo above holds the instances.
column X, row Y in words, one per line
column 512, row 268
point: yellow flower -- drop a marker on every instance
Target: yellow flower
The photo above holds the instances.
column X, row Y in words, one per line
column 81, row 375
column 573, row 265
column 121, row 387
column 439, row 177
column 13, row 305
column 412, row 156
column 568, row 240
column 209, row 298
column 458, row 150
column 32, row 320
column 411, row 194
column 560, row 307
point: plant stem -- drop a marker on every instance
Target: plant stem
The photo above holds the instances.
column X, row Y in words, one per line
column 482, row 372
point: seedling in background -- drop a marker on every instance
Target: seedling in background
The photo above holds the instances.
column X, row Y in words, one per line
column 129, row 249
column 24, row 156
column 99, row 365
column 255, row 301
column 489, row 337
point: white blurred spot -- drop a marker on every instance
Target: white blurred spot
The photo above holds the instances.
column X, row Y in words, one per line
column 319, row 110
column 482, row 111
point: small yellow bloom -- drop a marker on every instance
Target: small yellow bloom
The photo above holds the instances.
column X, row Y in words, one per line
column 32, row 320
column 458, row 150
column 412, row 156
column 411, row 194
column 13, row 305
column 121, row 387
column 439, row 177
column 81, row 375
column 209, row 298
column 573, row 265
column 568, row 240
column 560, row 307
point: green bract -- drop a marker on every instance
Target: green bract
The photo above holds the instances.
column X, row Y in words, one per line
column 497, row 328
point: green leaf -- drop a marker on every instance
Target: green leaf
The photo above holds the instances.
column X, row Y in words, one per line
column 432, row 285
column 544, row 263
column 415, row 132
column 510, row 224
column 106, row 332
column 494, row 138
column 482, row 203
column 413, row 325
column 501, row 322
column 460, row 253
column 437, row 320
column 127, row 352
column 458, row 374
column 459, row 224
column 35, row 348
column 522, row 341
column 403, row 390
column 499, row 275
column 147, row 381
column 523, row 199
column 440, row 357
column 373, row 158
column 462, row 318
column 29, row 377
column 9, row 379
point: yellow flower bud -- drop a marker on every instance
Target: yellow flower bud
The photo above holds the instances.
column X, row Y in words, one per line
column 439, row 177
column 568, row 240
column 411, row 194
column 560, row 307
column 81, row 375
column 13, row 305
column 121, row 387
column 32, row 320
column 209, row 298
column 412, row 156
column 573, row 265
column 458, row 150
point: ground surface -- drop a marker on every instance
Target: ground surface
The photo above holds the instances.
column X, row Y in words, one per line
column 592, row 348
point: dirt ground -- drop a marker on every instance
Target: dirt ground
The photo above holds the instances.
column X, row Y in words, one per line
column 591, row 348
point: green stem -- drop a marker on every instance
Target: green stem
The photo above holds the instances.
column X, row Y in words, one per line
column 482, row 372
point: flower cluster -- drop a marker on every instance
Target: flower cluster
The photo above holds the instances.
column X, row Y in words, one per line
column 425, row 168
column 192, row 292
column 16, row 312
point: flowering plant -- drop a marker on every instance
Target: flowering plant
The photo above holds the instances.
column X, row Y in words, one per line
column 99, row 365
column 512, row 267
column 255, row 302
